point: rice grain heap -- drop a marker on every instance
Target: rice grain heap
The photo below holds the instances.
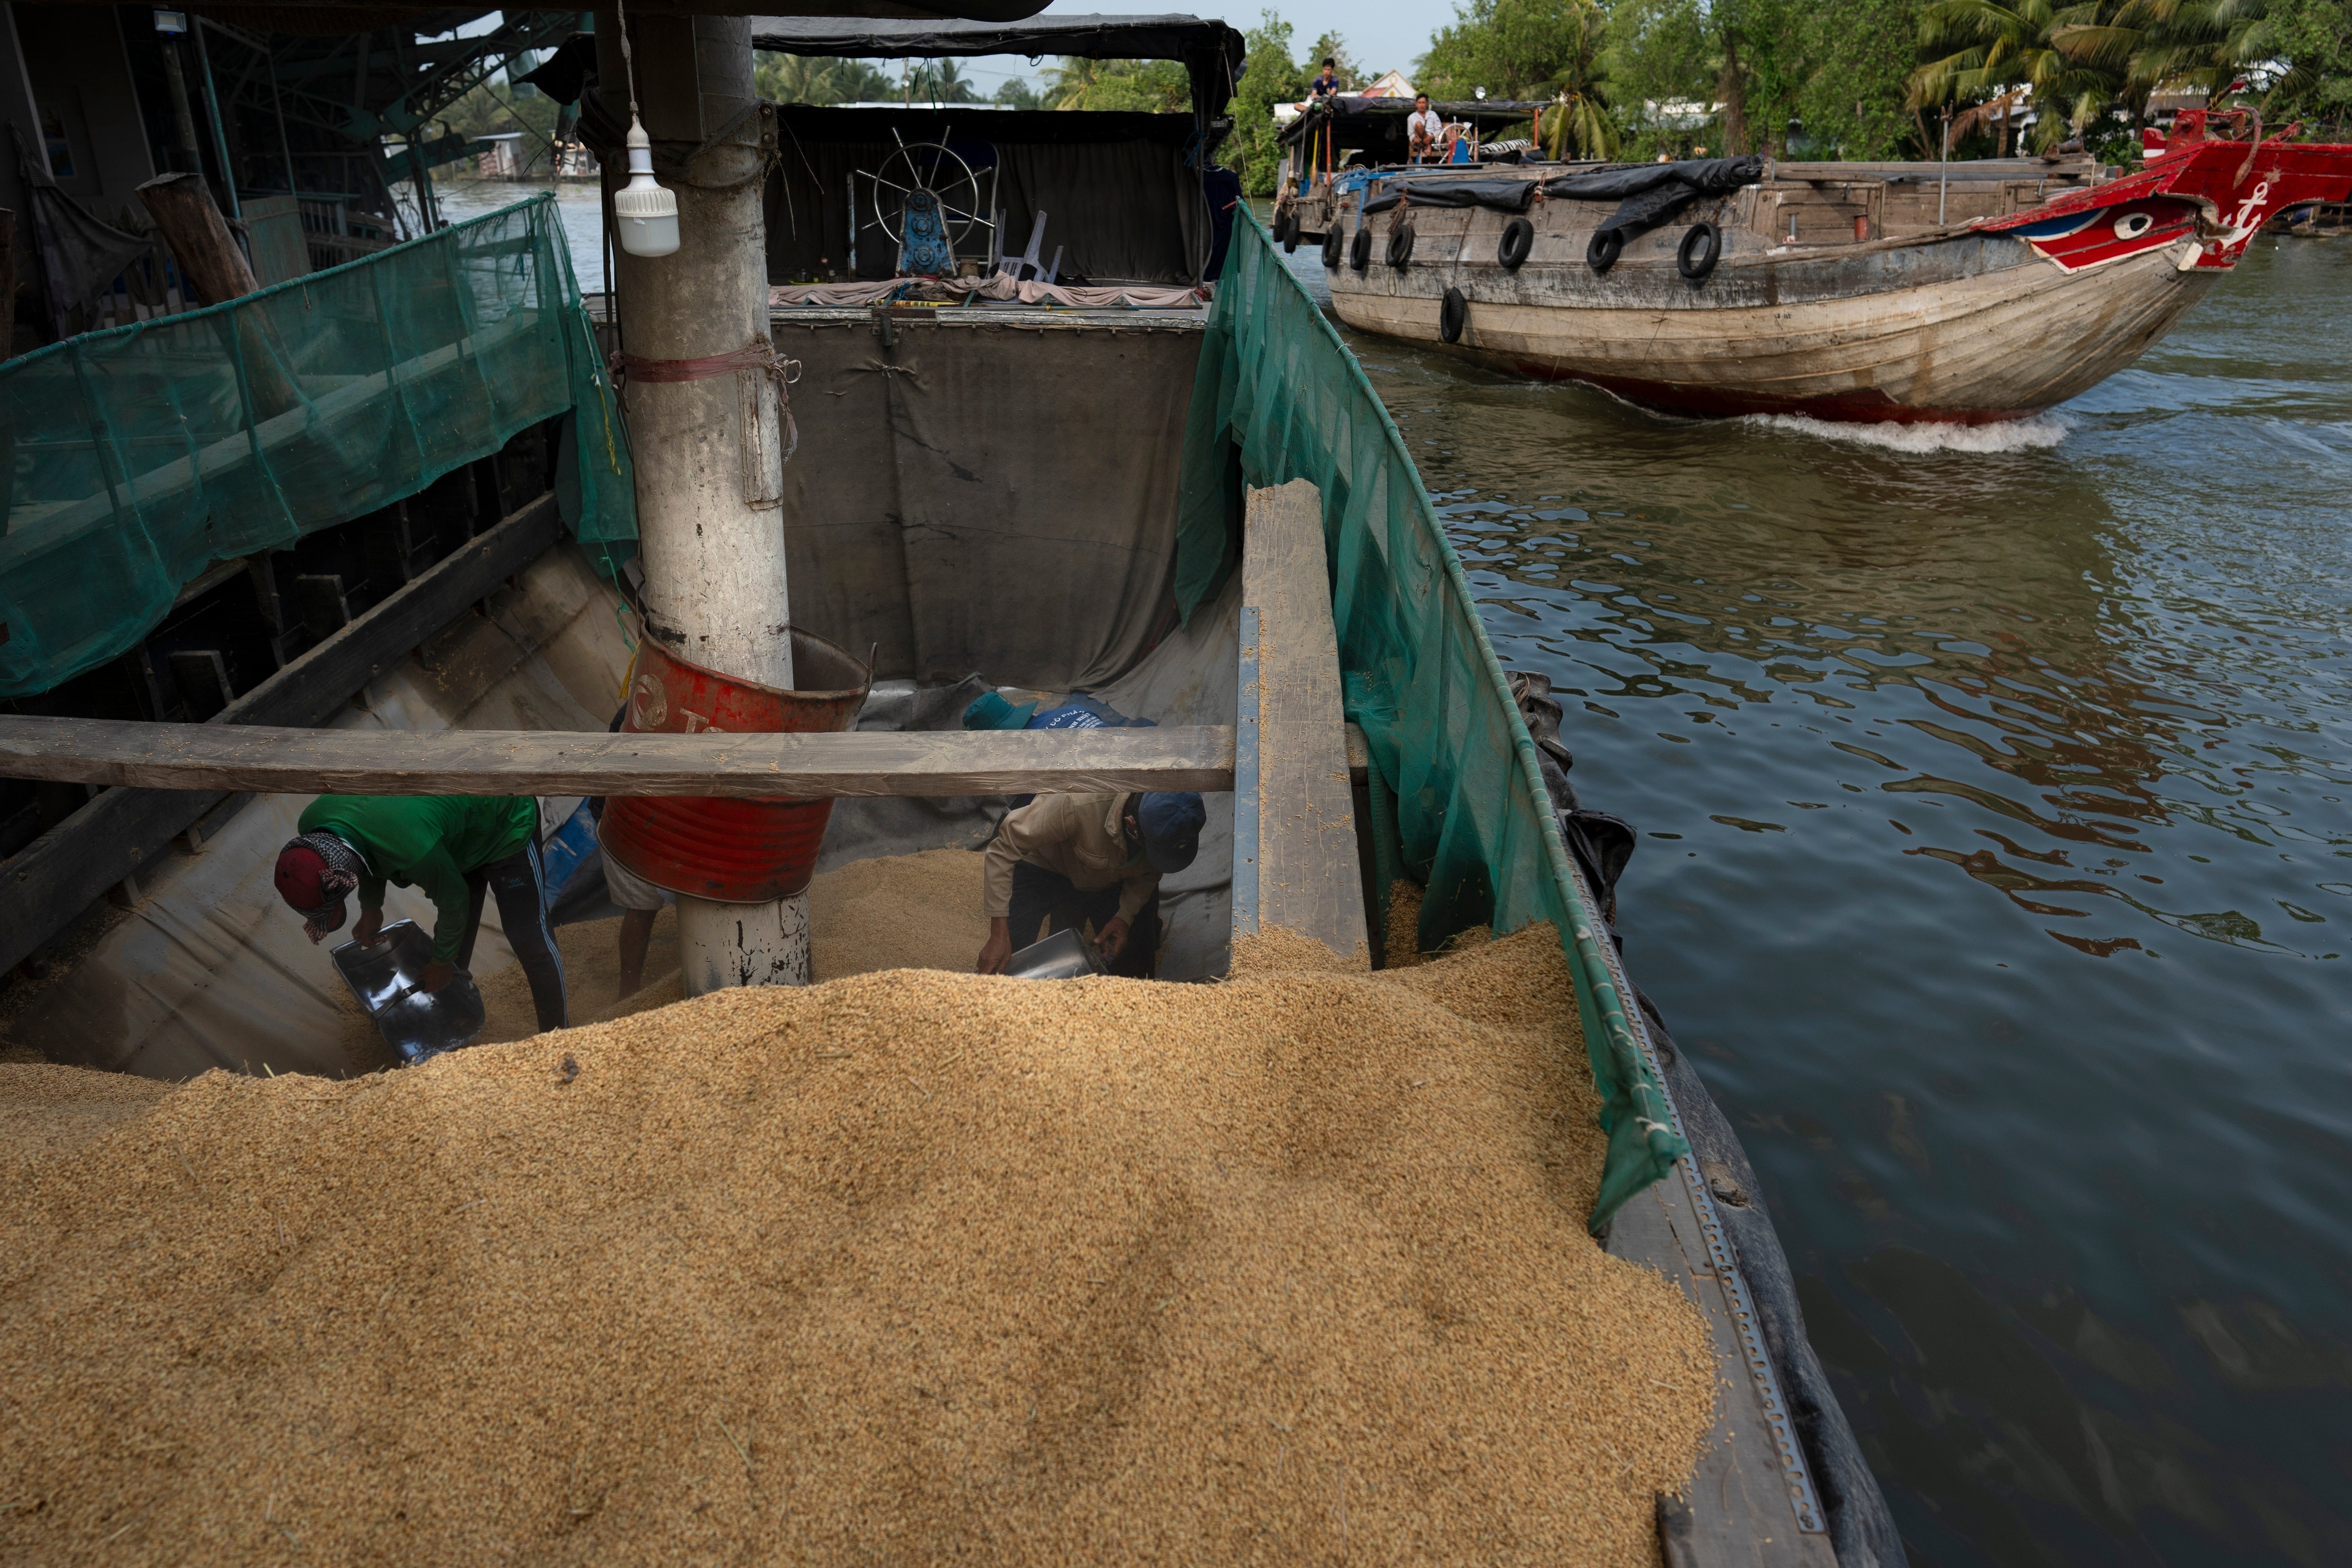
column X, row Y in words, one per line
column 907, row 1267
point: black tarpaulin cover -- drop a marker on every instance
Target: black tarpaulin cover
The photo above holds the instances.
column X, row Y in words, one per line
column 1648, row 193
column 1502, row 193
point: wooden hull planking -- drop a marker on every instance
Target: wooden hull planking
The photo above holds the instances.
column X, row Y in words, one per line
column 1971, row 329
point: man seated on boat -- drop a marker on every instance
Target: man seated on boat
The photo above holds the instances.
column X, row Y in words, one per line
column 1080, row 858
column 1424, row 129
column 1327, row 86
column 456, row 849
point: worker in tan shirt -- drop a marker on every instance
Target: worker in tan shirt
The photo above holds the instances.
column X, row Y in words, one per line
column 1077, row 858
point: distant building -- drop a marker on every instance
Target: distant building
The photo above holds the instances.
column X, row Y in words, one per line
column 500, row 158
column 1391, row 85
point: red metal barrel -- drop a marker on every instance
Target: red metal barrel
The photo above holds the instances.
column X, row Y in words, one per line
column 733, row 851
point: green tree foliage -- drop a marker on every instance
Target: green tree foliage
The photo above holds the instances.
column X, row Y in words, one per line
column 1740, row 70
column 1981, row 48
column 1145, row 87
column 1332, row 47
column 806, row 78
column 1269, row 77
column 1531, row 49
column 1515, row 48
column 1859, row 58
column 1659, row 54
column 1018, row 94
column 2313, row 39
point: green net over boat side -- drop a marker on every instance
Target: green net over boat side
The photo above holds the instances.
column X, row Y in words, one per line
column 1278, row 398
column 136, row 457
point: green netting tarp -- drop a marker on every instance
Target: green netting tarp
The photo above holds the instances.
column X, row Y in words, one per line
column 1472, row 823
column 136, row 457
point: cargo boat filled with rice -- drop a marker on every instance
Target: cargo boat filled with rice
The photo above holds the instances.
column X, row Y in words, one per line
column 927, row 478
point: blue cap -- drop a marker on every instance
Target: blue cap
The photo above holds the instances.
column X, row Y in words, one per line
column 989, row 710
column 1171, row 829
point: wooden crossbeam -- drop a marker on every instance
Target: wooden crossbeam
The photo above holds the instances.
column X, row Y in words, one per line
column 554, row 763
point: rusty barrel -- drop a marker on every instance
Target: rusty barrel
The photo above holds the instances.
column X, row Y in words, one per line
column 732, row 851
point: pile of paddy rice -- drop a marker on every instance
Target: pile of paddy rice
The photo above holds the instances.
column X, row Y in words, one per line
column 891, row 911
column 906, row 1267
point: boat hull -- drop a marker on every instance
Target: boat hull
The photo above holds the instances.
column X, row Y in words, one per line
column 1986, row 333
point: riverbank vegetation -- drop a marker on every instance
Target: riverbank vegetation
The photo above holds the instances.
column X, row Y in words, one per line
column 1848, row 79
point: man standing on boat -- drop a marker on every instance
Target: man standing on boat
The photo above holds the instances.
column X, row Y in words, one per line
column 456, row 849
column 1078, row 857
column 1424, row 127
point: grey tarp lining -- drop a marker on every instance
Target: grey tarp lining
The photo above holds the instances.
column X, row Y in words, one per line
column 1211, row 51
column 991, row 499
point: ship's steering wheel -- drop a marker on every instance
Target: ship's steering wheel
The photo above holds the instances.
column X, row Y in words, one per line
column 937, row 169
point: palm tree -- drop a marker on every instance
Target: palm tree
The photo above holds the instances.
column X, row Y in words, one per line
column 1071, row 83
column 1578, row 126
column 1993, row 45
column 941, row 81
column 2181, row 44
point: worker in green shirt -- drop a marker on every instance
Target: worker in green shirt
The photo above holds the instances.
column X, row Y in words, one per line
column 456, row 848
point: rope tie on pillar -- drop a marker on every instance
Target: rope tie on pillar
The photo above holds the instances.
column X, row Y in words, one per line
column 759, row 355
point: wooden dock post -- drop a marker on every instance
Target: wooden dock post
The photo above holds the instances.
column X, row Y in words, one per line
column 1295, row 861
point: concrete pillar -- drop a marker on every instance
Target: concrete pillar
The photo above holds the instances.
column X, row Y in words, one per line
column 708, row 453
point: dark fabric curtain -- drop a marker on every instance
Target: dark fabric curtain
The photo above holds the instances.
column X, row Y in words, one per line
column 1118, row 210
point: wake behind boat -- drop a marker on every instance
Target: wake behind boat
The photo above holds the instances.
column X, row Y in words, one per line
column 1905, row 292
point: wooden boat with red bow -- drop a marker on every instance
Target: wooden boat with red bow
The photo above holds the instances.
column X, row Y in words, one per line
column 1907, row 292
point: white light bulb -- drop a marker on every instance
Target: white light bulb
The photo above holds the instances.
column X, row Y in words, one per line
column 647, row 213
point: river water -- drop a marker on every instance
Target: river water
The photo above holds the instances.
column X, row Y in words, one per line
column 1996, row 871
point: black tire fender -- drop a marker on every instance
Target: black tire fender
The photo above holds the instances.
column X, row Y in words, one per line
column 1401, row 246
column 1519, row 238
column 1701, row 249
column 1290, row 233
column 1360, row 249
column 1453, row 315
column 1335, row 240
column 1602, row 251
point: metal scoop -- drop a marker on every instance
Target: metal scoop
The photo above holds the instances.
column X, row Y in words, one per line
column 1065, row 955
column 387, row 977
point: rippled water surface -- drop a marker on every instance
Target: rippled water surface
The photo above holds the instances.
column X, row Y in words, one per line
column 1996, row 868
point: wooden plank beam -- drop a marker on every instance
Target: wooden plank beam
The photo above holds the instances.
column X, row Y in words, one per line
column 51, row 880
column 554, row 763
column 1302, row 822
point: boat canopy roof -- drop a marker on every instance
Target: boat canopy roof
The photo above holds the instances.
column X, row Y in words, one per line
column 1209, row 49
column 1363, row 121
